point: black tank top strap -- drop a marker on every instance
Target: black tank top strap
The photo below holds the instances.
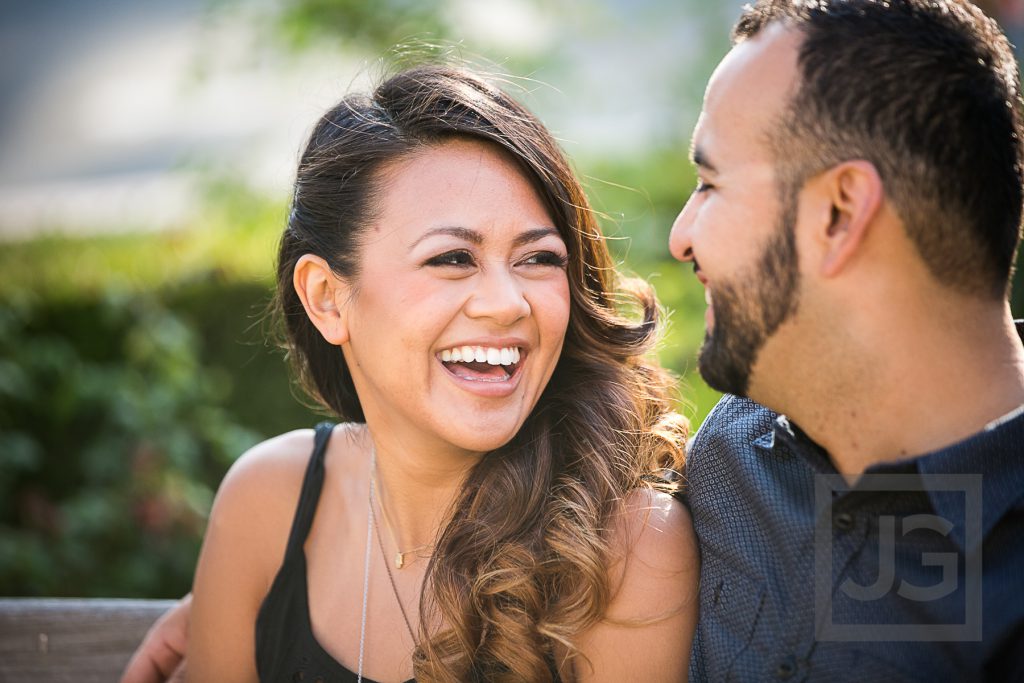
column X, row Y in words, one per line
column 312, row 484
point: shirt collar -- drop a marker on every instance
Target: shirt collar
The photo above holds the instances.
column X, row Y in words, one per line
column 793, row 439
column 994, row 453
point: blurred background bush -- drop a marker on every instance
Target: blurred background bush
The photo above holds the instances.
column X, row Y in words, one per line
column 147, row 153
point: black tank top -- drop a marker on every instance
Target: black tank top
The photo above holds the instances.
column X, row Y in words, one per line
column 286, row 649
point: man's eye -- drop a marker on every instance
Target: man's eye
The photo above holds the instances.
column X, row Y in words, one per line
column 703, row 186
column 459, row 257
column 546, row 258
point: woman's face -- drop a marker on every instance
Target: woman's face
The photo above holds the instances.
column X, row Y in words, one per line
column 461, row 303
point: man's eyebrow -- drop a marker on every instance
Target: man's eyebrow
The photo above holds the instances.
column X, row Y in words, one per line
column 534, row 235
column 700, row 158
column 453, row 230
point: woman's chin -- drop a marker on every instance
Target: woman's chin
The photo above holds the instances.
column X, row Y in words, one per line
column 484, row 445
column 484, row 437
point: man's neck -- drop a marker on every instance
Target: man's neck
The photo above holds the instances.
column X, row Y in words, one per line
column 914, row 391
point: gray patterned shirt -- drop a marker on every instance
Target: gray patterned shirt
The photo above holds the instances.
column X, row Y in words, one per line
column 804, row 578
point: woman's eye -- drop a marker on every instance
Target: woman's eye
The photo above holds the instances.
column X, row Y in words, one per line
column 458, row 257
column 546, row 258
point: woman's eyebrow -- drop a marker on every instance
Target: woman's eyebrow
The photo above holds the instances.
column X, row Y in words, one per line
column 533, row 235
column 475, row 237
column 462, row 233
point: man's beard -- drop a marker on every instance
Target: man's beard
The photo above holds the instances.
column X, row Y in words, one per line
column 749, row 309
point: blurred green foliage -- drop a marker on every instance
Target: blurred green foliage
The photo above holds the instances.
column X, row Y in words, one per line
column 373, row 25
column 111, row 438
column 127, row 370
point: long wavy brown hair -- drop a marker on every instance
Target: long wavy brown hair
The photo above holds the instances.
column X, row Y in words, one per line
column 521, row 566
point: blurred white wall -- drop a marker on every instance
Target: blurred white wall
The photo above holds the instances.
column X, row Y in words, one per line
column 113, row 110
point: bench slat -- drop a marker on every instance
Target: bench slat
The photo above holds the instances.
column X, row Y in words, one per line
column 57, row 640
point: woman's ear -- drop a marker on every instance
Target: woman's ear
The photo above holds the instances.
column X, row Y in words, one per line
column 324, row 295
column 855, row 191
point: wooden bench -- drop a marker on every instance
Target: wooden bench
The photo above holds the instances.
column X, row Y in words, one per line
column 80, row 641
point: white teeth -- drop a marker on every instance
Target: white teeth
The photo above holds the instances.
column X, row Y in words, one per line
column 508, row 355
column 707, row 296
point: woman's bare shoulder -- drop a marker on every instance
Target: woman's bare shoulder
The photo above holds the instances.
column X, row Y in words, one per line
column 261, row 489
column 656, row 526
column 243, row 548
column 270, row 471
column 273, row 462
column 653, row 578
column 655, row 544
column 253, row 510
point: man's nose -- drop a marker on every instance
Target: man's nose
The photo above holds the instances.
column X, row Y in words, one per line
column 679, row 239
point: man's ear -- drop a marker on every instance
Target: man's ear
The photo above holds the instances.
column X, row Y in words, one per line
column 324, row 295
column 855, row 192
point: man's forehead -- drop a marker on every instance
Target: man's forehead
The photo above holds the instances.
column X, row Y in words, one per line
column 766, row 62
column 749, row 88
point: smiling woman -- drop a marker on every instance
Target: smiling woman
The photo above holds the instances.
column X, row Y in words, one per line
column 446, row 291
column 473, row 266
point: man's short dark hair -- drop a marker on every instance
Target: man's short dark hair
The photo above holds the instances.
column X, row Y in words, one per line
column 927, row 91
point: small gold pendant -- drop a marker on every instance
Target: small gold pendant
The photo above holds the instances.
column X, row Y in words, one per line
column 399, row 560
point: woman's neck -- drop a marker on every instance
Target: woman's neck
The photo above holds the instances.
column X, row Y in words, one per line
column 417, row 483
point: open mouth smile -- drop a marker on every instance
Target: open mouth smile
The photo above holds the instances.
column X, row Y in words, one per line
column 482, row 363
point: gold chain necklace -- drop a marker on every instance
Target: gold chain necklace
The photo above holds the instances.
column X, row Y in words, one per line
column 399, row 554
column 391, row 577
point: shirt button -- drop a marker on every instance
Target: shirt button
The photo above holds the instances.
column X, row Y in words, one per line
column 786, row 668
column 843, row 521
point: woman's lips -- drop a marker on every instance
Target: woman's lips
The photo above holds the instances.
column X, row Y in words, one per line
column 480, row 372
column 485, row 379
